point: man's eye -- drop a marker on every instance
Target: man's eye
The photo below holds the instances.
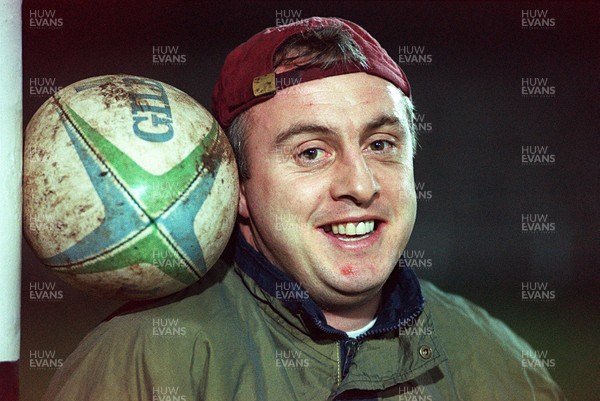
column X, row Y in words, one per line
column 311, row 154
column 380, row 146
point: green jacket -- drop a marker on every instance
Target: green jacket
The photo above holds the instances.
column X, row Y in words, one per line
column 228, row 339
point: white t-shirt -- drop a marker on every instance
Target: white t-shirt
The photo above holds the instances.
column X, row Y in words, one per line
column 362, row 330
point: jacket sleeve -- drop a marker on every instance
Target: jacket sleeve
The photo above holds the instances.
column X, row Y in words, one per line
column 131, row 358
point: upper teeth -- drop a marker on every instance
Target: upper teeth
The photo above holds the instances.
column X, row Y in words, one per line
column 360, row 228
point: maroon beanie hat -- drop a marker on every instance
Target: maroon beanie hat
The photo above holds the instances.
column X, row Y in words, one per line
column 248, row 76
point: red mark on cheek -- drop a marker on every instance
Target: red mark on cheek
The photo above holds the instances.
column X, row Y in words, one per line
column 347, row 270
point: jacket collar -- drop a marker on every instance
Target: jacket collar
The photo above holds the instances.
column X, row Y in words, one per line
column 402, row 301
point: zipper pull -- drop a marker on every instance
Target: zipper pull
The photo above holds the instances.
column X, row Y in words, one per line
column 350, row 346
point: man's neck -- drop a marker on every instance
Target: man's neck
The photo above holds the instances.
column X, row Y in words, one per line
column 349, row 319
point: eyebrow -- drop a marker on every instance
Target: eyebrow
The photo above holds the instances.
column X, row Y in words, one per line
column 301, row 128
column 382, row 121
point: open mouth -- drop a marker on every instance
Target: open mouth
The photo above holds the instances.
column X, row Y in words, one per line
column 352, row 231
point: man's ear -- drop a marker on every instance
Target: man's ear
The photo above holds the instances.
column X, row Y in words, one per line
column 243, row 204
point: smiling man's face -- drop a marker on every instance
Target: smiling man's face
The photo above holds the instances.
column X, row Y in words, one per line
column 331, row 199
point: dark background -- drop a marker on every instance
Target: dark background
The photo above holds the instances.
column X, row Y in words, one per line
column 470, row 160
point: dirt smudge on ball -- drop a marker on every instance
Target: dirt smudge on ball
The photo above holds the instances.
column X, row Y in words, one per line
column 211, row 158
column 113, row 94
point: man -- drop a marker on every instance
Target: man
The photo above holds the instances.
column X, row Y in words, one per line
column 312, row 302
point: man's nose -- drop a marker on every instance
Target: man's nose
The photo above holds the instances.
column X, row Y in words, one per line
column 354, row 179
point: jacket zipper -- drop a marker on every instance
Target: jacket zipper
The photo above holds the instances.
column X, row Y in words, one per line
column 349, row 346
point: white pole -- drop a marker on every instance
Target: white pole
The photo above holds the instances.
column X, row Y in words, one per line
column 11, row 160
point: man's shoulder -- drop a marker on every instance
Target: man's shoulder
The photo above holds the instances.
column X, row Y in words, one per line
column 483, row 352
column 212, row 301
column 155, row 343
column 456, row 314
column 460, row 312
column 196, row 316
